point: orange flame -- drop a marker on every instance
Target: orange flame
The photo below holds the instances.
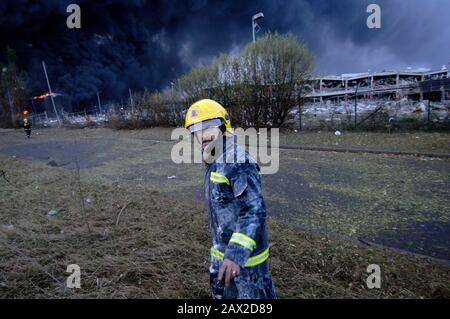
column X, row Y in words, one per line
column 42, row 96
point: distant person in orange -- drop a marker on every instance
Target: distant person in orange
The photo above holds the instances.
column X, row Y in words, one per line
column 27, row 126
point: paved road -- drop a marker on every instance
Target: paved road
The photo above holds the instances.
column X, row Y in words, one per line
column 398, row 201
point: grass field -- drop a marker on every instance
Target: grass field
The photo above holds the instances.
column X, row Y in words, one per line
column 413, row 141
column 321, row 204
column 407, row 142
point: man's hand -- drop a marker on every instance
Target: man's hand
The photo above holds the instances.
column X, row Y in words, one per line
column 230, row 269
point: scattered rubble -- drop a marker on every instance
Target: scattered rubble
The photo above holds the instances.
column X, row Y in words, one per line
column 53, row 212
column 343, row 112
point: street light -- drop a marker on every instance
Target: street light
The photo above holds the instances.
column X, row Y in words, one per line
column 172, row 84
column 356, row 101
column 256, row 17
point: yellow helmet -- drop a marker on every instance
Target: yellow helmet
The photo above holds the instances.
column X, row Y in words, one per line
column 205, row 112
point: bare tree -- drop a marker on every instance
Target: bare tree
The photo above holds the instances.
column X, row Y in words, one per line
column 281, row 66
column 13, row 93
column 259, row 86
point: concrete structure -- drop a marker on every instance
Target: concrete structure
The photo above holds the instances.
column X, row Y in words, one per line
column 416, row 84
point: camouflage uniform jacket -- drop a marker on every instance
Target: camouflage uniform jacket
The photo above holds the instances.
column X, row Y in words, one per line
column 237, row 213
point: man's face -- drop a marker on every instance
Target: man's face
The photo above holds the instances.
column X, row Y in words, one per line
column 206, row 136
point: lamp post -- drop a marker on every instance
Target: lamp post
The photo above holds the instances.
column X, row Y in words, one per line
column 51, row 94
column 98, row 101
column 172, row 84
column 356, row 102
column 256, row 17
column 131, row 101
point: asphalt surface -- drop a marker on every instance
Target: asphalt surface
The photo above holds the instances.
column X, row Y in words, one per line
column 304, row 192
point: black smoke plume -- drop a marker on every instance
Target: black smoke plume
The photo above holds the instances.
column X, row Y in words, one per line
column 147, row 44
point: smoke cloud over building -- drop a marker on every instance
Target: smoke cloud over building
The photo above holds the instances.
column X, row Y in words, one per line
column 147, row 44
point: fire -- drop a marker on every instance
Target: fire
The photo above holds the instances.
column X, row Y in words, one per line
column 42, row 96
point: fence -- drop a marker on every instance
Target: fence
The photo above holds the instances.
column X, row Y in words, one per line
column 373, row 114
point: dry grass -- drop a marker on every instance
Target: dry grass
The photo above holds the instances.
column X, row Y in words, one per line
column 415, row 141
column 158, row 248
column 410, row 141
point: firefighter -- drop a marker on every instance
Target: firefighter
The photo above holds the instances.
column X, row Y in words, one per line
column 237, row 213
column 27, row 126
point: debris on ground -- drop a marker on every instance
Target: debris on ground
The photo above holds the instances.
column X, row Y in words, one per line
column 52, row 164
column 53, row 212
column 7, row 228
column 159, row 248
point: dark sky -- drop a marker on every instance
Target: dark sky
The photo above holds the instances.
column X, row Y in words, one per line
column 139, row 43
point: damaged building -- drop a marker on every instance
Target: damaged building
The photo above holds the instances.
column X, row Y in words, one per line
column 415, row 95
column 415, row 85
